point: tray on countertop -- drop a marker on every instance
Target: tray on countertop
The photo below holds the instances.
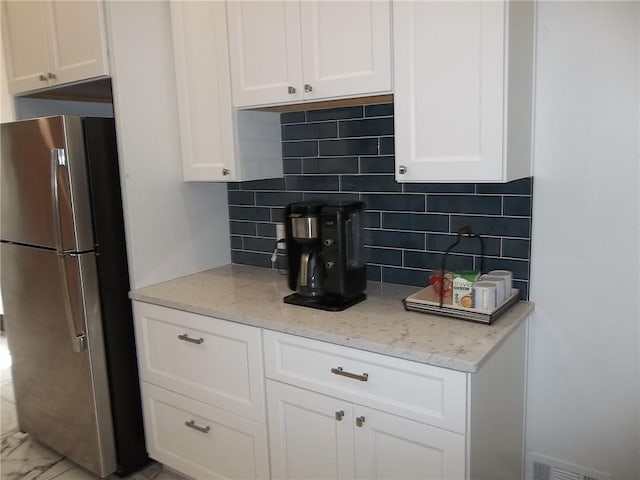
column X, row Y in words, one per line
column 427, row 300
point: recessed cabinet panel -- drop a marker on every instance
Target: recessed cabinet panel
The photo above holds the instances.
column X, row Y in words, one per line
column 452, row 71
column 387, row 447
column 202, row 441
column 26, row 44
column 310, row 435
column 218, row 143
column 346, row 48
column 264, row 49
column 207, row 359
column 78, row 46
column 204, row 110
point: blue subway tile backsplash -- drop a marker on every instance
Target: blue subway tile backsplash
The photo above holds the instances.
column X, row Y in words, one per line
column 346, row 153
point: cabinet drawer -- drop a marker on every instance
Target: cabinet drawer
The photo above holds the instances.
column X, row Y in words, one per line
column 432, row 395
column 202, row 441
column 207, row 359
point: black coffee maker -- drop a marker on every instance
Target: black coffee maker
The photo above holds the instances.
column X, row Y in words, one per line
column 325, row 254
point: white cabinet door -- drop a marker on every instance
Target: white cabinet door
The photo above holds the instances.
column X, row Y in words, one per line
column 316, row 436
column 53, row 42
column 26, row 45
column 310, row 435
column 451, row 74
column 288, row 52
column 210, row 360
column 78, row 47
column 346, row 48
column 217, row 143
column 204, row 90
column 264, row 48
column 393, row 448
column 202, row 441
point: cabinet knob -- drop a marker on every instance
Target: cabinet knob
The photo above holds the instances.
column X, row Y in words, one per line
column 402, row 169
column 339, row 415
column 308, row 88
column 225, row 171
column 291, row 90
column 359, row 421
column 51, row 76
column 42, row 78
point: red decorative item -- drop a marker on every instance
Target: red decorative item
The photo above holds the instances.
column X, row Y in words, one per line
column 442, row 288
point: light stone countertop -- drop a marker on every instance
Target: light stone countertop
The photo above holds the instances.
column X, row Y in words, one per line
column 253, row 296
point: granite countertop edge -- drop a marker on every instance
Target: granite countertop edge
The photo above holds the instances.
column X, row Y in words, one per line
column 465, row 352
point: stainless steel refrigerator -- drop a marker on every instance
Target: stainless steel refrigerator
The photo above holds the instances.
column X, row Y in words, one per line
column 65, row 289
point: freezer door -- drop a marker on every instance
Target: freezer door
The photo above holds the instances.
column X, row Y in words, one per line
column 62, row 395
column 45, row 192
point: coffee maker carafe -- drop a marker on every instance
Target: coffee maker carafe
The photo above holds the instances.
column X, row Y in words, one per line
column 305, row 231
column 325, row 254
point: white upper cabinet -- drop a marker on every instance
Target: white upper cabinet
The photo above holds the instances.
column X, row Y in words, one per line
column 265, row 52
column 463, row 90
column 217, row 143
column 288, row 51
column 53, row 42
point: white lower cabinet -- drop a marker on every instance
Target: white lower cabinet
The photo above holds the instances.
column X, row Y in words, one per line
column 343, row 413
column 202, row 386
column 391, row 447
column 324, row 411
column 310, row 435
column 315, row 436
column 202, row 441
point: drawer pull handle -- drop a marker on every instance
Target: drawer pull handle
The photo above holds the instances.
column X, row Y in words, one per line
column 339, row 371
column 339, row 415
column 192, row 424
column 359, row 421
column 186, row 338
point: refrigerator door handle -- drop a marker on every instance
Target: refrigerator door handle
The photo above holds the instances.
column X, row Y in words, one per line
column 76, row 331
column 58, row 158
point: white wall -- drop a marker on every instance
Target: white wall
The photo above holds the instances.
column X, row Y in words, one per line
column 7, row 113
column 6, row 101
column 583, row 393
column 173, row 228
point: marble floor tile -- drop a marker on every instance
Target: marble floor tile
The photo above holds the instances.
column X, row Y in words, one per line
column 23, row 459
column 157, row 472
column 76, row 473
column 152, row 472
column 8, row 417
column 5, row 375
column 6, row 391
